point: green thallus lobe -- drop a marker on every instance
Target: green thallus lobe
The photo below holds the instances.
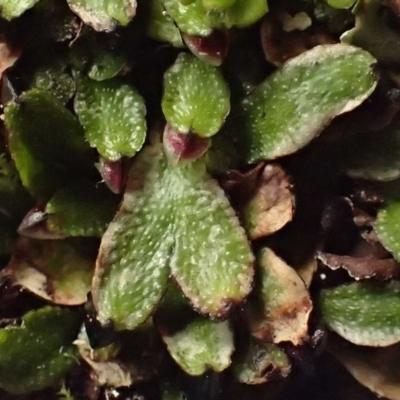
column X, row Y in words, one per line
column 196, row 97
column 164, row 227
column 274, row 120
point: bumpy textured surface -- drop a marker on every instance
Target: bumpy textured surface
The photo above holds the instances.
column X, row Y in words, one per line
column 132, row 267
column 195, row 343
column 55, row 79
column 14, row 8
column 364, row 313
column 103, row 15
column 113, row 115
column 200, row 345
column 196, row 97
column 333, row 79
column 165, row 221
column 296, row 102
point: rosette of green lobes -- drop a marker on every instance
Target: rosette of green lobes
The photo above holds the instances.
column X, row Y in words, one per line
column 196, row 97
column 200, row 17
column 365, row 313
column 295, row 103
column 164, row 227
column 113, row 116
column 39, row 352
column 47, row 143
column 104, row 15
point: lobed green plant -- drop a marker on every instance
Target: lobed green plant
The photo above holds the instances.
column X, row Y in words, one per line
column 198, row 195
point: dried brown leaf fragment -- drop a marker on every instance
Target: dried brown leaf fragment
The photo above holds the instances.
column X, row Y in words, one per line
column 55, row 270
column 284, row 303
column 241, row 186
column 362, row 268
column 108, row 364
column 264, row 197
column 369, row 247
column 280, row 44
column 8, row 56
column 273, row 204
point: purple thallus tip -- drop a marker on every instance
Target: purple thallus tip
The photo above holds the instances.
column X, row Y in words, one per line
column 34, row 225
column 112, row 173
column 181, row 147
column 212, row 48
column 34, row 217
